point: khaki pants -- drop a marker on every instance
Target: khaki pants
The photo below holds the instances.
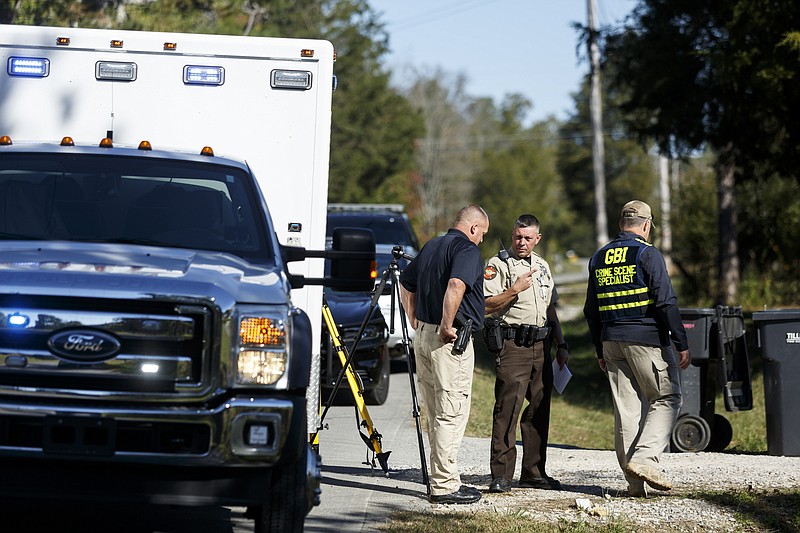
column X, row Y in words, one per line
column 445, row 386
column 646, row 391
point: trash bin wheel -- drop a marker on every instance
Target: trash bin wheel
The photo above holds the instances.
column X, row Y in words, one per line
column 690, row 434
column 721, row 434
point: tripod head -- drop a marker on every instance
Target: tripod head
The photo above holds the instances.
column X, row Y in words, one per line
column 398, row 252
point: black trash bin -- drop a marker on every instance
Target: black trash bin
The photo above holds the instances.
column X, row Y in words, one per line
column 779, row 339
column 719, row 360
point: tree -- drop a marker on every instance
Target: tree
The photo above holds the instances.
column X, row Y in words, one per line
column 696, row 73
column 519, row 176
column 629, row 169
column 445, row 154
column 374, row 127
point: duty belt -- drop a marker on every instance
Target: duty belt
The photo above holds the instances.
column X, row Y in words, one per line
column 537, row 333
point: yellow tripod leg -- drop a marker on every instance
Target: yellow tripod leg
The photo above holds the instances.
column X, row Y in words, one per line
column 373, row 441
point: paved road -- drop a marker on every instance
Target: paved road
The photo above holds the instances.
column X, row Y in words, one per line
column 355, row 496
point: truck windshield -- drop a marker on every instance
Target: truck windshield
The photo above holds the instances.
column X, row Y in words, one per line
column 139, row 200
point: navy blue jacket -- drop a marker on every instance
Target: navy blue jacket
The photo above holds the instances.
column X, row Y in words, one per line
column 630, row 297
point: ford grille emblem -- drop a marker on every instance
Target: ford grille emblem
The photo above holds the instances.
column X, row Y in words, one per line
column 83, row 345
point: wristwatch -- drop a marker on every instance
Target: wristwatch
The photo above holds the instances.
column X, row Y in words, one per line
column 564, row 345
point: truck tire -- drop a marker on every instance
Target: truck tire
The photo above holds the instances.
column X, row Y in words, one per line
column 286, row 506
column 379, row 394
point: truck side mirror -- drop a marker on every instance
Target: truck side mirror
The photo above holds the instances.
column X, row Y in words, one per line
column 355, row 270
column 352, row 256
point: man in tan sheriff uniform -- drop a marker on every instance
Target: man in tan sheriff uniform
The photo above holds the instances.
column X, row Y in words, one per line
column 520, row 297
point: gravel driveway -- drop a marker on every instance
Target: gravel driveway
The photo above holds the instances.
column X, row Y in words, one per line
column 358, row 498
column 594, row 477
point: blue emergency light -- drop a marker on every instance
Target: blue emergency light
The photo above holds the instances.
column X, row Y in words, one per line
column 17, row 320
column 28, row 67
column 203, row 75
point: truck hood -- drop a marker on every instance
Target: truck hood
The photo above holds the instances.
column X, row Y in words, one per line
column 142, row 272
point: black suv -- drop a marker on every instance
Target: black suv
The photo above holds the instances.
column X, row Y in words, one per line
column 388, row 222
column 391, row 228
column 371, row 361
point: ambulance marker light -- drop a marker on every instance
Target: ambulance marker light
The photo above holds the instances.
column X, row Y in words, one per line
column 145, row 145
column 290, row 79
column 203, row 75
column 170, row 46
column 105, row 142
column 62, row 41
column 207, row 150
column 116, row 71
column 67, row 141
column 306, row 52
column 29, row 67
column 116, row 43
column 5, row 140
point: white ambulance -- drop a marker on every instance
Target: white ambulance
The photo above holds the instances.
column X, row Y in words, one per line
column 153, row 341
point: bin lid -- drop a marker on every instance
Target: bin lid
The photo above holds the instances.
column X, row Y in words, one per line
column 687, row 311
column 776, row 315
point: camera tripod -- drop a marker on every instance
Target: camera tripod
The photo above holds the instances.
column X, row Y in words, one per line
column 392, row 272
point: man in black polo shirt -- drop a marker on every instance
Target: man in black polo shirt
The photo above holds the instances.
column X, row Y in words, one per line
column 443, row 282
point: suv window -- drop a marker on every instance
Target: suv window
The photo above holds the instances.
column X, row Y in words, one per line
column 390, row 228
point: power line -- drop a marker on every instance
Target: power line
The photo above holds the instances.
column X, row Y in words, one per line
column 494, row 140
column 438, row 13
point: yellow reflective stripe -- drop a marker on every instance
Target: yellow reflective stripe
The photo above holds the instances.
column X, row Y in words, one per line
column 621, row 293
column 626, row 305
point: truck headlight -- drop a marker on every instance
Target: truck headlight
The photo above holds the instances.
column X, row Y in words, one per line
column 260, row 367
column 263, row 350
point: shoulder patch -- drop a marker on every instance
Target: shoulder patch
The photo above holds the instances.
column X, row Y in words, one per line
column 489, row 272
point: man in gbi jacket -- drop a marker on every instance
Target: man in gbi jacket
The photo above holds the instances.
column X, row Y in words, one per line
column 633, row 318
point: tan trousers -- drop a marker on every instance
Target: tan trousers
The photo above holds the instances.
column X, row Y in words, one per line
column 445, row 386
column 645, row 387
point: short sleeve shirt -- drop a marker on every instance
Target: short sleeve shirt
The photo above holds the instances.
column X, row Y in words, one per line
column 450, row 256
column 529, row 306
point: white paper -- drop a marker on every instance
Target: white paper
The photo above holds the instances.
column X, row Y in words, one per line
column 561, row 377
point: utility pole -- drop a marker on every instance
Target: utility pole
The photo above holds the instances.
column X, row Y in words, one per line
column 665, row 224
column 598, row 149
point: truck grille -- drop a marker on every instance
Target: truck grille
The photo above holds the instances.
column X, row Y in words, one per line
column 156, row 347
column 99, row 437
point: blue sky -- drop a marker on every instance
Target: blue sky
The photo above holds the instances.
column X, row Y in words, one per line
column 502, row 46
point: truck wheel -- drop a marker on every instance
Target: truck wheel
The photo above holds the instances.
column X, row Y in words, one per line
column 721, row 434
column 288, row 503
column 690, row 434
column 379, row 394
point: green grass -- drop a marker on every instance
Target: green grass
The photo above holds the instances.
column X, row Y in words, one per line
column 514, row 522
column 760, row 510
